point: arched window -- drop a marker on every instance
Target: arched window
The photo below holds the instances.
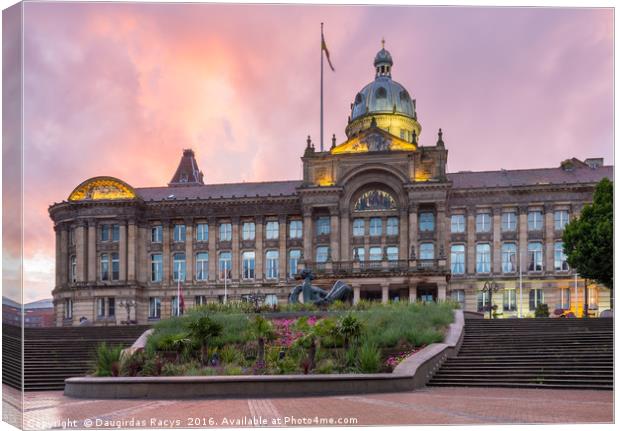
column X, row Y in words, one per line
column 381, row 93
column 359, row 98
column 375, row 200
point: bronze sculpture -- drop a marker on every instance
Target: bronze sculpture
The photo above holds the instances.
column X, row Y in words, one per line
column 314, row 294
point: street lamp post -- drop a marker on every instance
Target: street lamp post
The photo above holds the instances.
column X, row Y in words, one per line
column 490, row 286
column 128, row 304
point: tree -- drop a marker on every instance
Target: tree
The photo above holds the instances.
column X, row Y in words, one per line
column 203, row 330
column 262, row 330
column 588, row 240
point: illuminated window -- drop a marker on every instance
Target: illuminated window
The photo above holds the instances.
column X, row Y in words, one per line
column 202, row 266
column 375, row 200
column 248, row 259
column 358, row 227
column 457, row 259
column 457, row 223
column 248, row 231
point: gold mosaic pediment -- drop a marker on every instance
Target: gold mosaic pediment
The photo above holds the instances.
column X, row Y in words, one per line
column 371, row 141
column 102, row 188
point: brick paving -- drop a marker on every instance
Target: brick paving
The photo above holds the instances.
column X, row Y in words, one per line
column 44, row 410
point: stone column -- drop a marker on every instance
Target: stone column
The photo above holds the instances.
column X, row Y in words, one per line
column 212, row 249
column 142, row 261
column 413, row 229
column 81, row 251
column 64, row 254
column 470, row 252
column 165, row 227
column 57, row 229
column 260, row 271
column 441, row 229
column 92, row 251
column 308, row 236
column 131, row 250
column 356, row 294
column 345, row 245
column 334, row 236
column 497, row 241
column 549, row 243
column 523, row 259
column 122, row 250
column 189, row 251
column 385, row 293
column 403, row 235
column 413, row 293
column 235, row 258
column 442, row 288
column 282, row 248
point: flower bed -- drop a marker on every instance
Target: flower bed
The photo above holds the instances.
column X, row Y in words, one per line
column 205, row 342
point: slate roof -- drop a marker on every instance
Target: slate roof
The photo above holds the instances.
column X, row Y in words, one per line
column 529, row 177
column 460, row 180
column 187, row 172
column 42, row 303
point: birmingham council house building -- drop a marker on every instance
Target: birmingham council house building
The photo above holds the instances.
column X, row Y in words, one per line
column 378, row 211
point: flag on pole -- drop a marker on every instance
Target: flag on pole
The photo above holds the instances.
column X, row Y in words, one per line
column 324, row 48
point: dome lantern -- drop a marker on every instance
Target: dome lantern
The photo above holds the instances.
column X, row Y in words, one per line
column 383, row 61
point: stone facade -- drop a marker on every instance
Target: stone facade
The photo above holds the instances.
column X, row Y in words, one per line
column 378, row 211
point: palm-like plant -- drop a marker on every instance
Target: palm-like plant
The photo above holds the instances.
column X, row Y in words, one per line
column 262, row 330
column 312, row 337
column 349, row 327
column 203, row 330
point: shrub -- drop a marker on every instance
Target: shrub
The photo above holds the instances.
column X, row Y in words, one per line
column 131, row 365
column 229, row 354
column 233, row 370
column 202, row 330
column 152, row 367
column 326, row 366
column 542, row 310
column 107, row 360
column 369, row 358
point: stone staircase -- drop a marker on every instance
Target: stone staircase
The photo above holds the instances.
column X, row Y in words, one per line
column 532, row 353
column 53, row 354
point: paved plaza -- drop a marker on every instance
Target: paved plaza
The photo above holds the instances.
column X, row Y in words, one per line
column 427, row 406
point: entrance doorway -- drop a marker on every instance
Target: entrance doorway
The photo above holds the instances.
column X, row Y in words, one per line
column 427, row 293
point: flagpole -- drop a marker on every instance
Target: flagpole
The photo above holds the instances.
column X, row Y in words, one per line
column 520, row 283
column 179, row 290
column 321, row 87
column 225, row 281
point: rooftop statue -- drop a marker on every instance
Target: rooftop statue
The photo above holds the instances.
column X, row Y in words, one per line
column 314, row 294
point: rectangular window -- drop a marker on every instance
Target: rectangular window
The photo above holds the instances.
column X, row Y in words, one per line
column 457, row 259
column 154, row 308
column 73, row 269
column 559, row 257
column 564, row 299
column 111, row 307
column 560, row 219
column 534, row 220
column 68, row 312
column 178, row 267
column 483, row 301
column 510, row 299
column 200, row 300
column 509, row 221
column 116, row 270
column 105, row 267
column 179, row 233
column 271, row 231
column 458, row 296
column 293, row 261
column 100, row 307
column 271, row 259
column 271, row 299
column 322, row 226
column 592, row 296
column 535, row 256
column 427, row 222
column 427, row 251
column 375, row 226
column 536, row 298
column 156, row 233
column 457, row 223
column 225, row 232
column 224, row 265
column 202, row 232
column 322, row 254
column 392, row 226
column 72, row 236
column 248, row 231
column 115, row 232
column 392, row 253
column 248, row 259
column 483, row 222
column 176, row 307
column 358, row 227
column 202, row 266
column 157, row 273
column 509, row 257
column 483, row 258
column 296, row 229
column 105, row 232
column 359, row 253
column 375, row 253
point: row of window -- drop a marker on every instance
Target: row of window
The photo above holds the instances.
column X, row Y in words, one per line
column 248, row 231
column 376, row 253
column 509, row 260
column 375, row 226
column 509, row 220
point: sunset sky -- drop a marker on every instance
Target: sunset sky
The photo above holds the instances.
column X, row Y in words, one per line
column 121, row 89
